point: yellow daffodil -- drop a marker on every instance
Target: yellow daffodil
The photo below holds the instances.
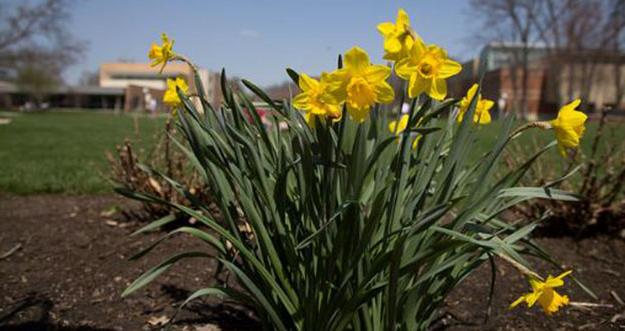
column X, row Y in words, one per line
column 361, row 84
column 569, row 126
column 161, row 54
column 397, row 127
column 171, row 98
column 482, row 106
column 544, row 293
column 397, row 37
column 426, row 69
column 315, row 99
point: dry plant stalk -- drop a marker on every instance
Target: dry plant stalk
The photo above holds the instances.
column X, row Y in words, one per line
column 127, row 172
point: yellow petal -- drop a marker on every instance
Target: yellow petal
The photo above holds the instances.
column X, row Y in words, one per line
column 557, row 281
column 551, row 301
column 311, row 119
column 483, row 117
column 356, row 60
column 301, row 101
column 417, row 85
column 386, row 28
column 488, row 104
column 573, row 118
column 182, row 85
column 415, row 143
column 418, row 48
column 358, row 114
column 334, row 112
column 567, row 137
column 564, row 274
column 572, row 105
column 306, row 83
column 531, row 298
column 384, row 93
column 392, row 45
column 405, row 68
column 402, row 19
column 517, row 302
column 438, row 89
column 449, row 68
column 376, row 73
column 471, row 92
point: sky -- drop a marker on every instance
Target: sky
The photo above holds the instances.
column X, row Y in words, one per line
column 258, row 39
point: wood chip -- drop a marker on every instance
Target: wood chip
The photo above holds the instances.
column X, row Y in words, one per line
column 111, row 223
column 158, row 321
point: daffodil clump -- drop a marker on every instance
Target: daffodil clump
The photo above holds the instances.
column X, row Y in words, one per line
column 338, row 211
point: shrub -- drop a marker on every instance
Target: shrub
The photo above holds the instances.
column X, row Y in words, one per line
column 347, row 224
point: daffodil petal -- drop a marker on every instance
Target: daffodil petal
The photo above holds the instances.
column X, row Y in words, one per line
column 392, row 45
column 402, row 19
column 356, row 60
column 376, row 73
column 417, row 86
column 306, row 83
column 386, row 28
column 384, row 93
column 405, row 68
column 438, row 89
column 449, row 68
column 301, row 101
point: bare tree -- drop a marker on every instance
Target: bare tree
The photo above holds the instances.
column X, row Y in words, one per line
column 511, row 21
column 577, row 36
column 581, row 35
column 35, row 43
column 89, row 78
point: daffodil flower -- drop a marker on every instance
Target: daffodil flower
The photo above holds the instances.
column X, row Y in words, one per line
column 161, row 54
column 315, row 99
column 569, row 126
column 544, row 294
column 426, row 69
column 361, row 84
column 482, row 107
column 397, row 127
column 171, row 98
column 397, row 37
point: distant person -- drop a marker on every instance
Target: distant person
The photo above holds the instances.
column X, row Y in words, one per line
column 152, row 106
column 502, row 102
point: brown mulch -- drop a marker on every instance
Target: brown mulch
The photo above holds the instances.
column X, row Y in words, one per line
column 64, row 264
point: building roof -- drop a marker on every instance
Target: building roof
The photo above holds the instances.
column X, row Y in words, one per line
column 7, row 87
column 93, row 90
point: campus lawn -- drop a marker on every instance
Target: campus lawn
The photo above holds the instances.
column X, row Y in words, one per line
column 65, row 152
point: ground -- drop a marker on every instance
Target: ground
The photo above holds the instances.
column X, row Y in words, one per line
column 64, row 258
column 71, row 265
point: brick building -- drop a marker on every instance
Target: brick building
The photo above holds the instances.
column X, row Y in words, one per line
column 597, row 78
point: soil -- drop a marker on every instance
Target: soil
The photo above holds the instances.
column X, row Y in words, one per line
column 64, row 264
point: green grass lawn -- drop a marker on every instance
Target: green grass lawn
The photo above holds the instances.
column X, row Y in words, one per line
column 64, row 152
